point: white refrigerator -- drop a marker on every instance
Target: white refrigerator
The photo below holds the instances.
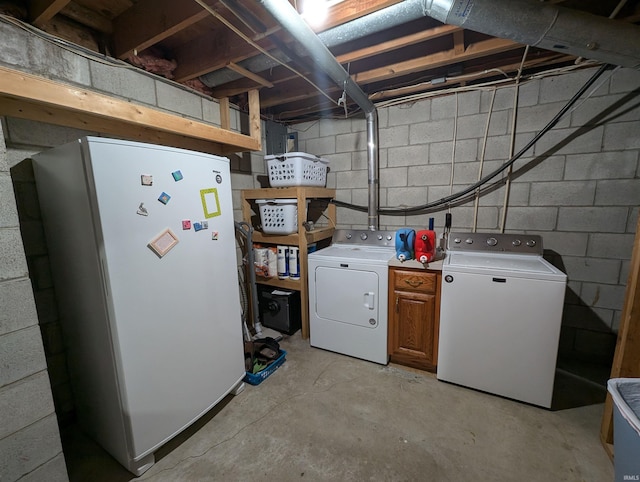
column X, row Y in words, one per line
column 142, row 247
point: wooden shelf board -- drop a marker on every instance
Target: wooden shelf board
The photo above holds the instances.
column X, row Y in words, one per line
column 289, row 239
column 319, row 234
column 288, row 284
column 293, row 239
column 288, row 192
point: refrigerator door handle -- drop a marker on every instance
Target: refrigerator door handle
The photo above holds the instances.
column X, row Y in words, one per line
column 104, row 277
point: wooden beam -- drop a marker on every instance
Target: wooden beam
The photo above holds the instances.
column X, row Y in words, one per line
column 511, row 68
column 473, row 51
column 398, row 43
column 458, row 42
column 207, row 53
column 346, row 11
column 626, row 360
column 41, row 11
column 53, row 115
column 62, row 27
column 234, row 88
column 274, row 96
column 93, row 106
column 150, row 21
column 249, row 75
column 85, row 16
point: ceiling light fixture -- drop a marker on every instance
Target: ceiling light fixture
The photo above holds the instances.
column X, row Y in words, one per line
column 315, row 12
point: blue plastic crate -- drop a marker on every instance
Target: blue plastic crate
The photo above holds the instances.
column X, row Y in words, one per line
column 257, row 378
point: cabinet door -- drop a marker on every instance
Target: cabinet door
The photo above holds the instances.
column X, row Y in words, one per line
column 413, row 329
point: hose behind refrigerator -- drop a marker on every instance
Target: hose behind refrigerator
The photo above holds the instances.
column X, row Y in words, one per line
column 244, row 303
column 246, row 230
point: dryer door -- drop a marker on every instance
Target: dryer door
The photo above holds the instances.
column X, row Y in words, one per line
column 347, row 295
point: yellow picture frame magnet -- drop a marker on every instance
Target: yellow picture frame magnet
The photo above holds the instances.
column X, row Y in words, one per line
column 210, row 202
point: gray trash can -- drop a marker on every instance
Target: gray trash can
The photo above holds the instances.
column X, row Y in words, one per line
column 626, row 427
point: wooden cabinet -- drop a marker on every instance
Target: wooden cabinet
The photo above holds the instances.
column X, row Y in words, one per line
column 313, row 204
column 414, row 309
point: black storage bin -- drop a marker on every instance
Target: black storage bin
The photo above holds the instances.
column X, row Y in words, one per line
column 279, row 309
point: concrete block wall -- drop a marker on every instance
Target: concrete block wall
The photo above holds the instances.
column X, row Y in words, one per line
column 26, row 51
column 30, row 444
column 578, row 186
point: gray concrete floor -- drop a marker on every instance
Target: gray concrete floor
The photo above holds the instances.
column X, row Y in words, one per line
column 324, row 416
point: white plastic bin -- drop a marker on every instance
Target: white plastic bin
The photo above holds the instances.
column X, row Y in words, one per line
column 278, row 216
column 296, row 169
column 626, row 427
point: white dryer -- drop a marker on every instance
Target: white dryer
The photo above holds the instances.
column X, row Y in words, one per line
column 348, row 284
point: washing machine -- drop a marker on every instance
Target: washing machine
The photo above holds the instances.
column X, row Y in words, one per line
column 348, row 293
column 500, row 316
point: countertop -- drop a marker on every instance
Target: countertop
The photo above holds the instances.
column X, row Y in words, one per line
column 413, row 264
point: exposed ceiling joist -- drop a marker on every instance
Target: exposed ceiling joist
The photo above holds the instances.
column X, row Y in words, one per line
column 388, row 46
column 249, row 75
column 41, row 11
column 149, row 22
column 398, row 43
column 480, row 49
column 88, row 17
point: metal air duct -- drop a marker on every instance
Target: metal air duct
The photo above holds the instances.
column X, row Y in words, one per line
column 546, row 26
column 290, row 21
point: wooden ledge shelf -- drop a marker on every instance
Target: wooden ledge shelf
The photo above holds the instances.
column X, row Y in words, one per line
column 41, row 99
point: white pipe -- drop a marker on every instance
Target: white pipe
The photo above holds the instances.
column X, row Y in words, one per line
column 373, row 169
column 453, row 150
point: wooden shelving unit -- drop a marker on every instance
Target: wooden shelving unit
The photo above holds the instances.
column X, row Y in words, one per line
column 302, row 239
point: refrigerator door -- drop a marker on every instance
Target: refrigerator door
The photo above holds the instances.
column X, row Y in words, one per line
column 174, row 316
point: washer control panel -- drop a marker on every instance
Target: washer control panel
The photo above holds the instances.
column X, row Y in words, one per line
column 364, row 237
column 496, row 242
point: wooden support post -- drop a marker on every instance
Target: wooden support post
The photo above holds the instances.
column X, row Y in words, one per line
column 626, row 361
column 225, row 113
column 255, row 131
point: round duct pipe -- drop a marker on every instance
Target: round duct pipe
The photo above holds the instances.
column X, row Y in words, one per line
column 550, row 27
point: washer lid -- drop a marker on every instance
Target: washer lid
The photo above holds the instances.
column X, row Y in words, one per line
column 521, row 266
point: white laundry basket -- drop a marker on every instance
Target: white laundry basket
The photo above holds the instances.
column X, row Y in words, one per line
column 296, row 169
column 278, row 216
column 625, row 393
